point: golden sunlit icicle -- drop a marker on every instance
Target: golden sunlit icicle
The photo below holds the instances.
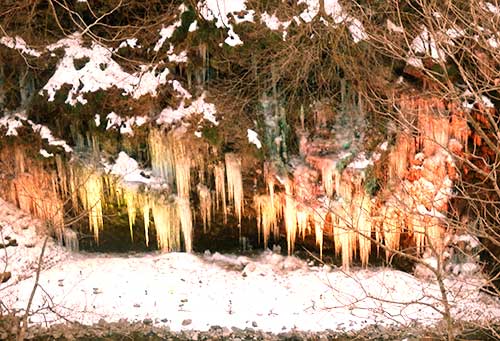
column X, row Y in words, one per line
column 399, row 156
column 145, row 207
column 290, row 216
column 364, row 226
column 234, row 183
column 418, row 231
column 319, row 223
column 91, row 192
column 182, row 172
column 343, row 234
column 186, row 222
column 162, row 157
column 328, row 175
column 167, row 224
column 205, row 198
column 302, row 220
column 267, row 215
column 392, row 229
column 131, row 203
column 220, row 188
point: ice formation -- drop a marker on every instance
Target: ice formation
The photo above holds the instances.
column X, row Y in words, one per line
column 205, row 198
column 234, row 183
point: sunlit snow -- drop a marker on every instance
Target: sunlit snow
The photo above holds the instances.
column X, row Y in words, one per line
column 100, row 72
column 253, row 137
column 221, row 10
column 19, row 44
column 198, row 106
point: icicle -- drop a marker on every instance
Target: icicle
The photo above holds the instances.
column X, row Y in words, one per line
column 186, row 222
column 234, row 183
column 267, row 216
column 343, row 185
column 182, row 173
column 19, row 160
column 363, row 226
column 131, row 204
column 459, row 128
column 61, row 174
column 434, row 131
column 302, row 221
column 290, row 216
column 145, row 207
column 270, row 189
column 90, row 192
column 418, row 232
column 70, row 238
column 435, row 234
column 398, row 159
column 162, row 156
column 344, row 236
column 319, row 223
column 328, row 175
column 167, row 225
column 205, row 198
column 220, row 188
column 392, row 228
column 170, row 159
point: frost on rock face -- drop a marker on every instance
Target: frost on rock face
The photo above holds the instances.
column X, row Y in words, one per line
column 220, row 10
column 199, row 106
column 100, row 72
column 19, row 44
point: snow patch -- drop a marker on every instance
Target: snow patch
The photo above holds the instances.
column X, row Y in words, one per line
column 100, row 72
column 221, row 10
column 19, row 44
column 128, row 169
column 15, row 121
column 334, row 9
column 198, row 106
column 495, row 9
column 125, row 125
column 132, row 43
column 253, row 137
column 393, row 27
column 12, row 123
column 45, row 153
column 166, row 33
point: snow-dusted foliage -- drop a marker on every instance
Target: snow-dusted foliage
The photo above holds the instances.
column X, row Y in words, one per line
column 100, row 72
column 19, row 44
column 221, row 11
column 17, row 120
column 198, row 106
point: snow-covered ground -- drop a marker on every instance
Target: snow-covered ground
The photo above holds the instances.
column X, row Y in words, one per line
column 191, row 291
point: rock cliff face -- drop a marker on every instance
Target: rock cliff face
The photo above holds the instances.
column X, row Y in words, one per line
column 164, row 152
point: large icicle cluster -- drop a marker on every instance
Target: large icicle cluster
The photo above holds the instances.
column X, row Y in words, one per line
column 420, row 177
